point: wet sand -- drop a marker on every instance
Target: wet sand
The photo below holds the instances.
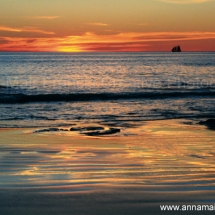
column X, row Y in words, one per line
column 133, row 172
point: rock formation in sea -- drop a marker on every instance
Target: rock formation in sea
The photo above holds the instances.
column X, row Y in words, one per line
column 176, row 49
column 210, row 123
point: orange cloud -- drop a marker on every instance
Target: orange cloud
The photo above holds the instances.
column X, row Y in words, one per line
column 44, row 17
column 137, row 37
column 5, row 28
column 124, row 41
column 25, row 29
column 97, row 24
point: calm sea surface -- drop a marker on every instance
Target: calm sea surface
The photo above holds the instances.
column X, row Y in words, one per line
column 52, row 89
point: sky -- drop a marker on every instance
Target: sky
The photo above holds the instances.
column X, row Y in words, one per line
column 106, row 25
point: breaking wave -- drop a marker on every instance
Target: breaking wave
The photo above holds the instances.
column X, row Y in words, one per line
column 78, row 97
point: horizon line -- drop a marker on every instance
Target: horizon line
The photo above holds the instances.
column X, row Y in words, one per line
column 99, row 51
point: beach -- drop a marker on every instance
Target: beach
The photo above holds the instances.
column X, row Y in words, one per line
column 107, row 107
column 106, row 133
column 161, row 162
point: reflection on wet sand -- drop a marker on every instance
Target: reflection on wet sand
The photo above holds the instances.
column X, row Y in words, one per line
column 162, row 156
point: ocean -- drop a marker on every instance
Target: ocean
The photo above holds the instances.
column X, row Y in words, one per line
column 114, row 133
column 120, row 89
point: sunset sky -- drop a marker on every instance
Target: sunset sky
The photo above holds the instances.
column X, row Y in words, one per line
column 106, row 25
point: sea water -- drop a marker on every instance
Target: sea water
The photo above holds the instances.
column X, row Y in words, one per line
column 54, row 89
